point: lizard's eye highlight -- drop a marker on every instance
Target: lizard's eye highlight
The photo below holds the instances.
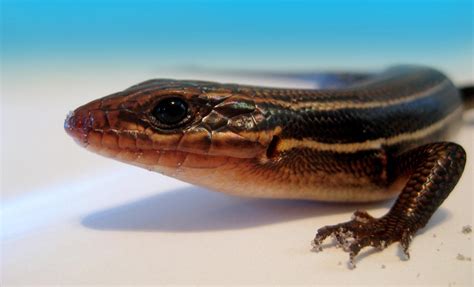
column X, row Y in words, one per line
column 171, row 111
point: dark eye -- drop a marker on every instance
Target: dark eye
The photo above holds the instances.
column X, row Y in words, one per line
column 171, row 111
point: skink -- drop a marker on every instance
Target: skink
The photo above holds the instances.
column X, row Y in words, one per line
column 366, row 138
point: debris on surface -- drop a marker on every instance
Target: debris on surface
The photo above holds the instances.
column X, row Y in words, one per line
column 461, row 257
column 434, row 235
column 418, row 275
column 351, row 265
column 466, row 229
column 383, row 266
column 339, row 263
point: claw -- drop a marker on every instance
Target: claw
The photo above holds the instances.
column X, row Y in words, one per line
column 351, row 263
column 362, row 231
column 316, row 245
column 405, row 243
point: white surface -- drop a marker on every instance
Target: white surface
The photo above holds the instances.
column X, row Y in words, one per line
column 72, row 217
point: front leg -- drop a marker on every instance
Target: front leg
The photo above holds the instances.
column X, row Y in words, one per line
column 433, row 169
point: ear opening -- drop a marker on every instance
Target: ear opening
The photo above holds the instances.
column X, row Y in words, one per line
column 272, row 147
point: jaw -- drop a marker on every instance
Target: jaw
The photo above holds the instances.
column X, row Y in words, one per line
column 218, row 173
column 163, row 161
column 136, row 147
column 189, row 167
column 217, row 169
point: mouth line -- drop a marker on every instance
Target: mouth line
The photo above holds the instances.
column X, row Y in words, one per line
column 141, row 151
column 155, row 159
column 136, row 143
column 128, row 141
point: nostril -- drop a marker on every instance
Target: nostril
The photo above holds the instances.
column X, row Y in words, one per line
column 78, row 125
column 80, row 120
column 69, row 123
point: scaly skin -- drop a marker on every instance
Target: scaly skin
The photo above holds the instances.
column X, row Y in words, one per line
column 373, row 138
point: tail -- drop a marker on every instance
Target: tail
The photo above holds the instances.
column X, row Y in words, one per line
column 467, row 94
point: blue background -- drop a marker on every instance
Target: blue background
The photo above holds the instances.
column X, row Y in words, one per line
column 57, row 55
column 240, row 34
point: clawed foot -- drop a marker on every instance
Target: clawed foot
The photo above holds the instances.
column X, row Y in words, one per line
column 364, row 230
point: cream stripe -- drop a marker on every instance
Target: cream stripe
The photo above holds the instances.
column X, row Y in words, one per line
column 287, row 144
column 349, row 104
column 325, row 106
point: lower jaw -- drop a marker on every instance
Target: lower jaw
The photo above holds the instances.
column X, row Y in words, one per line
column 162, row 159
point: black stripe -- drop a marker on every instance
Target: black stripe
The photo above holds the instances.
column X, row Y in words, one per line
column 358, row 125
column 395, row 83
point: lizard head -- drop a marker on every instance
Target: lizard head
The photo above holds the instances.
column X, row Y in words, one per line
column 171, row 126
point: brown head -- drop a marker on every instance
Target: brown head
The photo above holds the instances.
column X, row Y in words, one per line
column 174, row 127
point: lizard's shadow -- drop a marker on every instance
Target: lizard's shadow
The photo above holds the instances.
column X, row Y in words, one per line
column 194, row 209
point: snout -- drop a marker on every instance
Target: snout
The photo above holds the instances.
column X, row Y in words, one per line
column 78, row 126
column 79, row 122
